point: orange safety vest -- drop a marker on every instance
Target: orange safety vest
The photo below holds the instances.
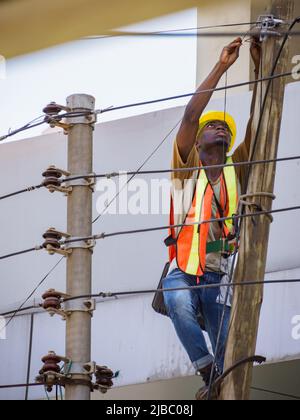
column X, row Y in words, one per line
column 190, row 246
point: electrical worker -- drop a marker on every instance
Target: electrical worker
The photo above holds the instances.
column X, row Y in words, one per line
column 199, row 253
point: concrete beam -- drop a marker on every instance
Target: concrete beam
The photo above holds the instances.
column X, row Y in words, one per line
column 29, row 25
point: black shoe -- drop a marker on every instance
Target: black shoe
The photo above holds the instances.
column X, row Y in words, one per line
column 205, row 373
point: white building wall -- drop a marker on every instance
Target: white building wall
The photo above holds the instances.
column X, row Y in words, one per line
column 127, row 334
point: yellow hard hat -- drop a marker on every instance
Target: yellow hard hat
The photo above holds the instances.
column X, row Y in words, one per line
column 219, row 116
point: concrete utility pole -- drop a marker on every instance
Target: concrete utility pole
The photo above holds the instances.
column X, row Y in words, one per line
column 255, row 233
column 79, row 263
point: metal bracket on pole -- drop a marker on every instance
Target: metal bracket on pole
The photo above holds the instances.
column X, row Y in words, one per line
column 89, row 119
column 267, row 24
column 79, row 244
column 75, row 368
column 79, row 305
column 88, row 180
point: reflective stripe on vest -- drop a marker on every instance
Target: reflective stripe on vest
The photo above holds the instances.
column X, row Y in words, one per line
column 192, row 240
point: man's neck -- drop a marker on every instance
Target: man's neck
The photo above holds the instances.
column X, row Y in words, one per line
column 213, row 156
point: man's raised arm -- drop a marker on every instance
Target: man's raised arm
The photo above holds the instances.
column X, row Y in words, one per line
column 187, row 133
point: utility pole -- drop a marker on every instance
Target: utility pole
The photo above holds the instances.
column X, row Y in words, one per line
column 79, row 262
column 255, row 232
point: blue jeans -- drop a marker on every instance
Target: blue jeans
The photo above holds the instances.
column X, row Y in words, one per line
column 183, row 307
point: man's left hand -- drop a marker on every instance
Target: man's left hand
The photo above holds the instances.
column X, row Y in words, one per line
column 256, row 52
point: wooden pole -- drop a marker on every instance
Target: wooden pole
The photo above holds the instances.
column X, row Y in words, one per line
column 255, row 232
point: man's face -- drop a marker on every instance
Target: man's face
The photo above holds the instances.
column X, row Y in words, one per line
column 214, row 133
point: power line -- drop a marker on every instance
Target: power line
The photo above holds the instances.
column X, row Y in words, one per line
column 180, row 170
column 46, row 119
column 28, row 308
column 25, row 251
column 178, row 34
column 19, row 386
column 28, row 189
column 187, row 95
column 206, row 34
column 19, row 130
column 155, row 229
column 151, row 172
column 49, row 118
column 175, row 289
column 115, row 34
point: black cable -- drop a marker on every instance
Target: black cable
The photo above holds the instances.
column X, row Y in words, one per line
column 199, row 28
column 19, row 386
column 46, row 119
column 175, row 289
column 294, row 397
column 25, row 251
column 151, row 291
column 151, row 172
column 29, row 355
column 168, row 171
column 177, row 34
column 187, row 95
column 74, row 114
column 28, row 189
column 19, row 130
column 155, row 229
column 28, row 308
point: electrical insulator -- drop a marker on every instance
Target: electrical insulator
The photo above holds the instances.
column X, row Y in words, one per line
column 53, row 109
column 53, row 116
column 52, row 300
column 51, row 363
column 52, row 178
column 52, row 238
column 50, row 369
column 104, row 378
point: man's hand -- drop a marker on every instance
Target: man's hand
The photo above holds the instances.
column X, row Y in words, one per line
column 255, row 50
column 231, row 53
